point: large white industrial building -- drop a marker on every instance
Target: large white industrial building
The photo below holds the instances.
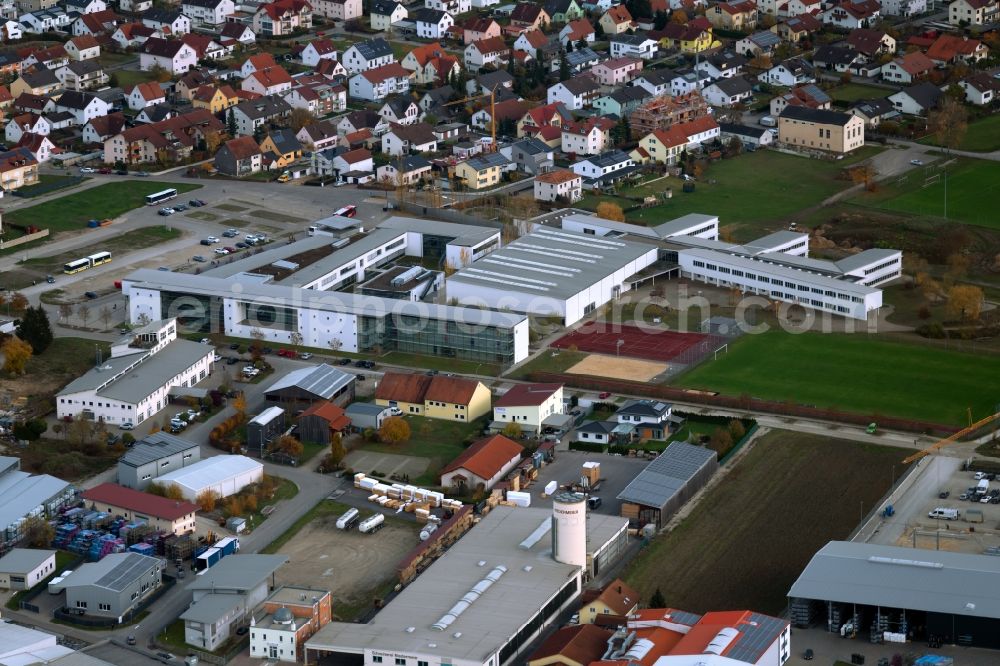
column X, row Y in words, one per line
column 225, row 475
column 552, row 272
column 488, row 596
column 134, row 383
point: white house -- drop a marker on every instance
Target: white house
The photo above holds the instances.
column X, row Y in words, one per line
column 980, row 89
column 23, row 568
column 404, row 139
column 591, row 136
column 132, row 385
column 432, row 23
column 374, row 85
column 146, row 94
column 650, row 415
column 368, row 54
column 792, row 72
column 174, row 23
column 340, row 10
column 558, row 185
column 728, row 92
column 903, row 8
column 83, row 106
column 84, row 47
column 208, row 13
column 528, row 405
column 318, row 49
column 28, row 123
column 491, row 51
column 482, row 464
column 575, row 93
column 599, row 166
column 385, row 13
column 635, row 46
column 173, row 55
column 453, row 7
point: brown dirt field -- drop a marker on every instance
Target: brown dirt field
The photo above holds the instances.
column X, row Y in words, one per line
column 750, row 537
column 598, row 365
column 349, row 564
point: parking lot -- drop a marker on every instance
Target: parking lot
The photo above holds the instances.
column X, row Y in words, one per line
column 616, row 473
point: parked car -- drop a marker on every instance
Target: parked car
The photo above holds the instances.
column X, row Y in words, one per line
column 604, row 395
column 142, row 174
column 267, row 350
column 234, row 346
column 305, row 356
column 230, row 233
column 126, row 425
column 196, row 203
column 241, row 245
column 90, row 294
column 944, row 494
column 286, row 353
column 200, row 259
column 50, row 279
column 165, row 212
column 205, row 242
column 344, row 361
column 212, row 239
column 808, row 654
column 180, row 207
column 221, row 251
column 594, row 502
column 121, row 172
column 230, row 249
column 87, row 169
column 917, row 162
column 232, row 360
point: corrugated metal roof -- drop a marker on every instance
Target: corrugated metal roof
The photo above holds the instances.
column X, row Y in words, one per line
column 322, row 380
column 662, row 478
column 115, row 572
column 208, row 472
column 153, row 447
column 896, row 577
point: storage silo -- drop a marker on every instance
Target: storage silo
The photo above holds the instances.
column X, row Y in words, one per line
column 569, row 528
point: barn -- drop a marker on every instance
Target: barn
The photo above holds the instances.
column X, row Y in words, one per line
column 308, row 385
column 667, row 483
column 225, row 475
column 858, row 589
column 482, row 463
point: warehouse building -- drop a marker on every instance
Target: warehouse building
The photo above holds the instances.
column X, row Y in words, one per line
column 135, row 382
column 223, row 475
column 552, row 272
column 447, row 243
column 307, row 385
column 154, row 455
column 487, row 597
column 482, row 463
column 113, row 586
column 327, row 320
column 264, row 429
column 160, row 513
column 860, row 589
column 23, row 568
column 24, row 495
column 694, row 225
column 667, row 483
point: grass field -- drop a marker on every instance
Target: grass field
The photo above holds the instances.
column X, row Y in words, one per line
column 852, row 372
column 852, row 92
column 136, row 239
column 70, row 213
column 65, row 358
column 549, row 361
column 983, row 136
column 436, row 439
column 922, row 192
column 814, row 488
column 793, row 183
column 441, row 363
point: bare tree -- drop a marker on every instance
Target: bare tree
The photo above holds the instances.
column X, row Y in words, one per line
column 949, row 123
column 65, row 311
column 83, row 312
column 295, row 338
column 105, row 315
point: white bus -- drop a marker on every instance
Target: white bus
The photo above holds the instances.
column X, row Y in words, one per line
column 99, row 258
column 160, row 197
column 346, row 211
column 76, row 266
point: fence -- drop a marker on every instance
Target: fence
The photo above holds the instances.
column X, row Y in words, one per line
column 26, row 238
column 740, row 403
column 67, row 615
column 44, row 586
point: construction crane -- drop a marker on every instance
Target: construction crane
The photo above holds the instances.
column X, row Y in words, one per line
column 493, row 121
column 940, row 444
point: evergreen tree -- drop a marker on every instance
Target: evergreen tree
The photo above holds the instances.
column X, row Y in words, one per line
column 231, row 123
column 657, row 600
column 569, row 46
column 35, row 329
column 660, row 20
column 564, row 73
column 598, row 30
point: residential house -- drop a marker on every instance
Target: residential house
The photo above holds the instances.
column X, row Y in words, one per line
column 749, row 137
column 318, row 136
column 595, row 432
column 268, row 81
column 528, row 16
column 665, row 110
column 85, row 6
column 980, row 89
column 871, row 43
column 169, row 140
column 797, row 29
column 739, row 16
column 577, row 32
column 131, row 35
column 722, row 65
column 908, row 68
column 316, row 50
column 280, row 149
column 615, row 72
column 10, row 31
column 691, row 38
column 215, row 98
column 761, row 43
column 951, row 49
column 502, row 114
column 432, row 23
column 145, row 94
column 404, row 139
column 172, row 55
column 83, row 106
column 18, row 168
column 621, row 103
column 479, row 172
column 903, row 8
column 168, row 22
column 239, row 33
column 208, row 13
column 290, row 615
column 102, row 128
column 579, row 60
column 575, row 94
column 83, row 47
column 318, row 96
column 38, row 81
column 489, row 52
column 791, row 72
column 239, row 157
column 26, row 123
column 384, row 13
column 255, row 62
column 374, row 85
column 482, row 464
column 40, row 146
column 617, row 21
column 542, row 116
column 407, row 170
column 45, row 21
column 340, row 10
column 207, row 48
column 605, row 169
column 916, row 100
column 537, row 44
column 453, row 7
column 563, row 11
column 830, row 131
column 439, row 396
column 366, row 55
column 355, row 121
column 560, row 185
column 500, row 83
column 873, row 111
column 430, row 64
column 350, row 166
column 851, row 14
column 973, row 12
column 82, row 75
column 50, row 58
column 809, row 95
column 479, row 28
column 589, row 136
column 634, row 46
column 835, row 58
column 282, row 17
column 254, row 114
column 649, row 419
column 728, row 92
column 400, row 111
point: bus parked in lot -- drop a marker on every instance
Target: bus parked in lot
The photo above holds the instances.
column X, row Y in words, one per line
column 347, row 211
column 160, row 197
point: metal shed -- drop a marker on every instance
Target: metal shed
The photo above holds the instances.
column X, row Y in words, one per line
column 667, row 483
column 306, row 385
column 263, row 429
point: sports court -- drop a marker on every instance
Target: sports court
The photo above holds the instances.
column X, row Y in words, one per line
column 633, row 369
column 638, row 343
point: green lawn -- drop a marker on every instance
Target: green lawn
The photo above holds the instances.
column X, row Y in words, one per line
column 983, row 136
column 48, row 184
column 439, row 363
column 70, row 213
column 125, row 78
column 740, row 196
column 136, row 239
column 852, row 92
column 853, row 372
column 969, row 184
column 550, row 360
column 432, row 438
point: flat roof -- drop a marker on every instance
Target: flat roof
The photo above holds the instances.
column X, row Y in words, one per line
column 895, row 577
column 461, row 234
column 24, row 560
column 531, row 578
column 238, row 572
column 866, row 258
column 323, row 380
column 350, row 253
column 210, row 471
column 153, row 447
column 552, row 262
column 777, row 239
column 21, row 493
column 267, row 415
column 329, row 301
column 211, row 607
column 134, row 377
column 683, row 223
column 114, row 572
column 665, row 475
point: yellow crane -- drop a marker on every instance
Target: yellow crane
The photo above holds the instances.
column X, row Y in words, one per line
column 493, row 121
column 940, row 444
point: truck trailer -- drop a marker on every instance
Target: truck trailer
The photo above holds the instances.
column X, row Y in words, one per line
column 371, row 524
column 348, row 520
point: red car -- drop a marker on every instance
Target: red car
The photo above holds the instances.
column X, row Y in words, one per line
column 604, row 396
column 230, row 250
column 105, row 171
column 287, row 353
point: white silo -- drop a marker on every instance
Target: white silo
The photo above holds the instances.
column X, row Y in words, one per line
column 569, row 528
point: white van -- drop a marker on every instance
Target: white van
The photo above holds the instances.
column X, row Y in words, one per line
column 768, row 121
column 944, row 514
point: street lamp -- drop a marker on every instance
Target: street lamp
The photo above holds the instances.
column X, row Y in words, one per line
column 618, row 347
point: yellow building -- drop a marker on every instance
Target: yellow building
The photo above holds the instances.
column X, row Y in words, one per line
column 437, row 397
column 617, row 20
column 478, row 173
column 18, row 168
column 820, row 129
column 214, row 99
column 695, row 37
column 660, row 146
column 283, row 147
column 617, row 599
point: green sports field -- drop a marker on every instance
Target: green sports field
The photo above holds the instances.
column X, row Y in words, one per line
column 970, row 185
column 855, row 372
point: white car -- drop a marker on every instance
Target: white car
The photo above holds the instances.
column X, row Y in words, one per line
column 127, row 425
column 88, row 170
column 221, row 251
column 395, row 411
column 212, row 239
column 216, row 358
column 917, row 162
column 168, row 210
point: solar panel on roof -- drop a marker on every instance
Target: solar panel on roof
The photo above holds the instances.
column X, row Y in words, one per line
column 124, row 573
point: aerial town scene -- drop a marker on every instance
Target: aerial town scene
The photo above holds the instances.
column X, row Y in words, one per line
column 500, row 332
